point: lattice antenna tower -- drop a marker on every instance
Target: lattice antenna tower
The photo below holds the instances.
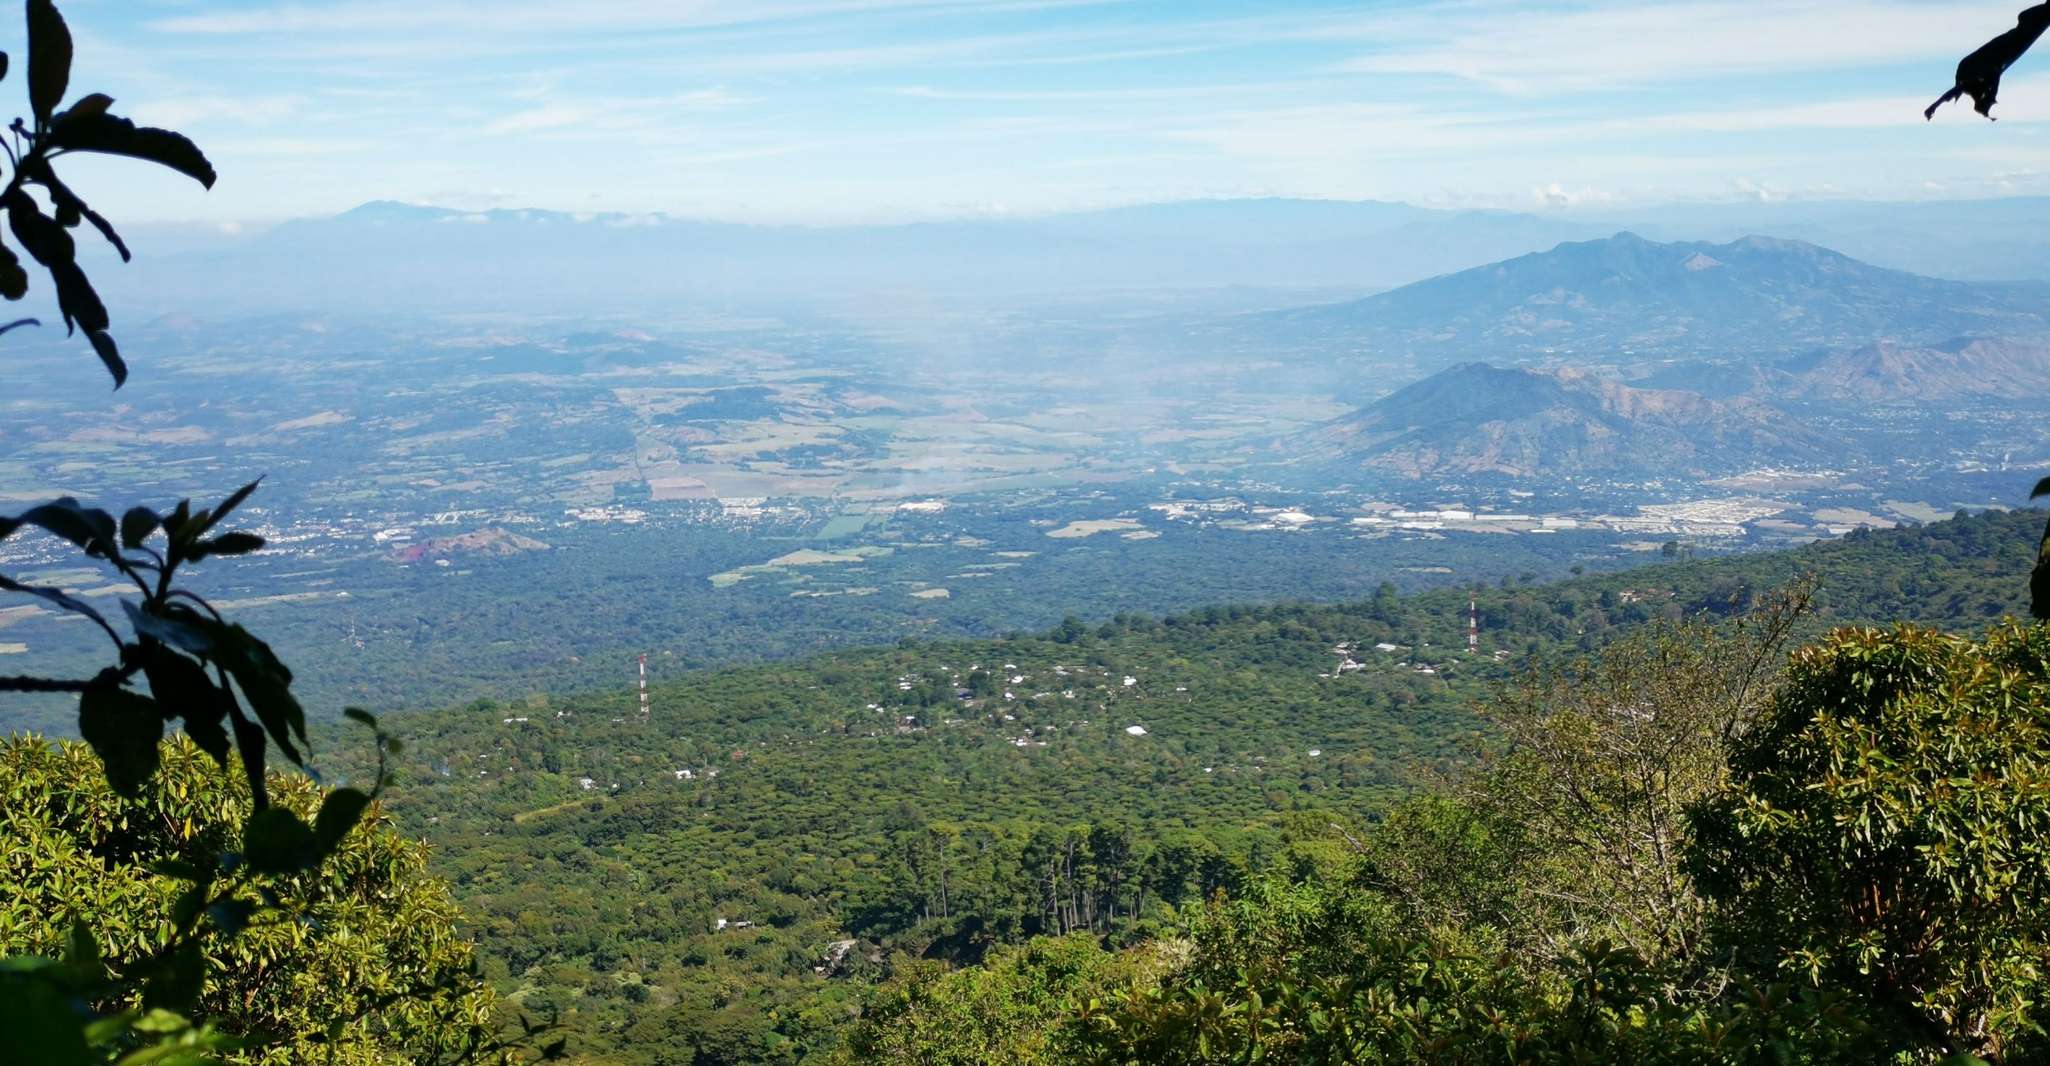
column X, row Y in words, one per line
column 644, row 688
column 1473, row 624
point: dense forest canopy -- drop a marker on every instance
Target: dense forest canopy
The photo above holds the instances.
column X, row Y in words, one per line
column 873, row 815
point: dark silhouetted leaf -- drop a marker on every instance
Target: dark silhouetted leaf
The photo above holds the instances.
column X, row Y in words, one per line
column 2039, row 579
column 174, row 624
column 265, row 683
column 53, row 595
column 235, row 499
column 13, row 276
column 1978, row 74
column 226, row 544
column 230, row 916
column 339, row 813
column 89, row 528
column 2042, row 489
column 182, row 688
column 360, row 716
column 136, row 526
column 82, row 950
column 249, row 745
column 91, row 105
column 77, row 300
column 49, row 58
column 70, row 208
column 174, row 523
column 40, row 1025
column 112, row 135
column 110, row 356
column 124, row 729
column 177, row 868
column 277, row 842
column 176, row 984
column 46, row 242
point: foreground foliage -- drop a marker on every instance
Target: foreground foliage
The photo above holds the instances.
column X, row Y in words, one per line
column 353, row 960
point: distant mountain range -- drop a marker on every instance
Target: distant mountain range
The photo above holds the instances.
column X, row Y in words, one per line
column 1625, row 296
column 387, row 256
column 1476, row 419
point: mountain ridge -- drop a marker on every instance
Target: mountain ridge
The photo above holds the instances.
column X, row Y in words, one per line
column 1626, row 295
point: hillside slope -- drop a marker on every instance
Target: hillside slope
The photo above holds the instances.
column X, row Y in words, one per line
column 863, row 808
column 1476, row 419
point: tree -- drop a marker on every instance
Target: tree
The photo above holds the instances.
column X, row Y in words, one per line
column 1887, row 831
column 358, row 960
column 1577, row 831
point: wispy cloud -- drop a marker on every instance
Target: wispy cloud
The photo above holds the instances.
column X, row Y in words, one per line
column 1545, row 47
column 874, row 108
column 615, row 115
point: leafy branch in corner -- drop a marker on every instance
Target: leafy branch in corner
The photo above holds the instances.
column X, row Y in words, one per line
column 33, row 145
column 174, row 659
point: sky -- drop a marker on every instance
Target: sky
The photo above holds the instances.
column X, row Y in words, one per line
column 833, row 111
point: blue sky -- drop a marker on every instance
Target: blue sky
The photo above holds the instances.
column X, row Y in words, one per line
column 856, row 110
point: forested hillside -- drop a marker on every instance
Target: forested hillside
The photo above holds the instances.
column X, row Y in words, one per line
column 727, row 878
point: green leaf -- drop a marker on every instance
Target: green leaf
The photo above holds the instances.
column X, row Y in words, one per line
column 49, row 59
column 277, row 842
column 124, row 729
column 136, row 526
column 112, row 135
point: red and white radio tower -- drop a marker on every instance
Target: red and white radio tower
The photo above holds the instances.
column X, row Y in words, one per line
column 1473, row 624
column 644, row 688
